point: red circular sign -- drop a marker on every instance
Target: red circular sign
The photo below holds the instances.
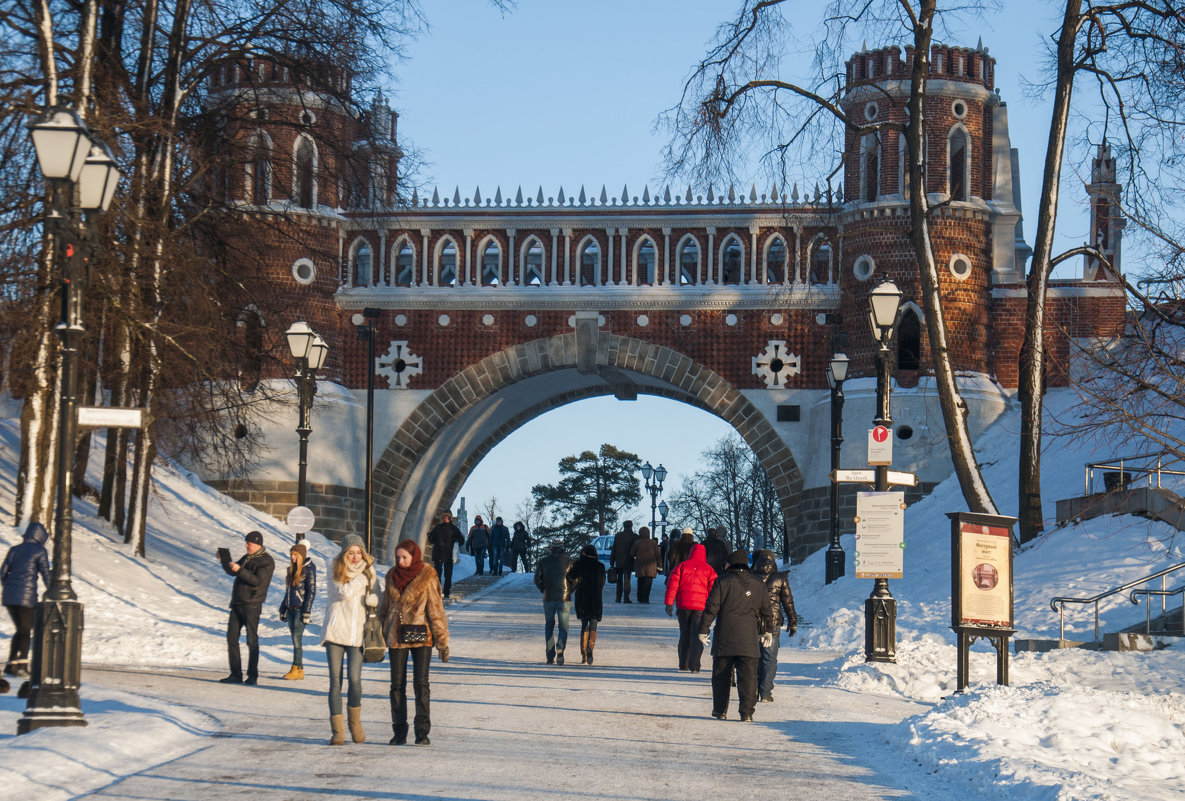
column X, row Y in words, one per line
column 880, row 433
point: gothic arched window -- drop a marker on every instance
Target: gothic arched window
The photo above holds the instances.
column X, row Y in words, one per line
column 304, row 191
column 909, row 341
column 960, row 157
column 688, row 261
column 533, row 263
column 775, row 260
column 361, row 264
column 589, row 261
column 732, row 261
column 646, row 262
column 491, row 264
column 447, row 267
column 405, row 264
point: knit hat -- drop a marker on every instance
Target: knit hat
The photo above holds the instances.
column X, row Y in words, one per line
column 255, row 537
column 739, row 557
column 687, row 530
column 351, row 540
column 301, row 546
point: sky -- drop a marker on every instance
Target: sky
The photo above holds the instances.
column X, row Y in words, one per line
column 565, row 93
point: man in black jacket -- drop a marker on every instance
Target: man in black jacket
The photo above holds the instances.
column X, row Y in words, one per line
column 781, row 602
column 739, row 604
column 551, row 577
column 442, row 537
column 716, row 549
column 253, row 574
column 621, row 557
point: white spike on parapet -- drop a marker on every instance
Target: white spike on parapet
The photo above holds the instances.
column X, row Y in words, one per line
column 539, row 197
column 688, row 198
column 560, row 196
column 625, row 194
column 711, row 193
column 794, row 196
column 457, row 196
column 753, row 194
column 415, row 198
column 666, row 195
column 604, row 195
column 582, row 200
column 477, row 196
column 518, row 199
column 498, row 197
column 646, row 194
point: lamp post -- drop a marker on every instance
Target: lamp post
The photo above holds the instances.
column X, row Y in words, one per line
column 880, row 609
column 81, row 176
column 309, row 350
column 837, row 373
column 365, row 324
column 659, row 474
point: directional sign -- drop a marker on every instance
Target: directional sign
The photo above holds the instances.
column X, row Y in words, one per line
column 866, row 476
column 300, row 519
column 880, row 534
column 110, row 417
column 880, row 446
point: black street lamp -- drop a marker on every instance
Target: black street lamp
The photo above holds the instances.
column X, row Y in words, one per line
column 659, row 474
column 365, row 324
column 880, row 609
column 81, row 176
column 309, row 350
column 837, row 373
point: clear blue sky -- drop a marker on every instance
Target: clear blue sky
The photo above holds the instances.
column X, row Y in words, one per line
column 566, row 92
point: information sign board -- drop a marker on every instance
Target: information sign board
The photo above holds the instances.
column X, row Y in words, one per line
column 880, row 534
column 880, row 445
column 300, row 519
column 981, row 573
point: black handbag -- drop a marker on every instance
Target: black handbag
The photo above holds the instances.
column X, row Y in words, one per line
column 413, row 633
column 374, row 645
column 611, row 575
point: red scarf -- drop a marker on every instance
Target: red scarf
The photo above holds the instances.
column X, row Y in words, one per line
column 404, row 575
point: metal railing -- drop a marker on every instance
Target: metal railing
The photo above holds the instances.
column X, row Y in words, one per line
column 1131, row 468
column 1164, row 596
column 1059, row 604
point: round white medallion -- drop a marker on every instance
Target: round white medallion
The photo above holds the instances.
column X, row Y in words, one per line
column 443, row 320
column 487, row 319
column 531, row 320
column 730, row 319
column 775, row 319
column 400, row 319
column 643, row 320
column 685, row 320
column 304, row 271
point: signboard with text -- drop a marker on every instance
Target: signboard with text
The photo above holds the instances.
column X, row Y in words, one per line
column 880, row 445
column 981, row 571
column 880, row 534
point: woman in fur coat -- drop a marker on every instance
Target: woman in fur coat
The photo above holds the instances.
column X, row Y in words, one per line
column 351, row 589
column 587, row 574
column 413, row 618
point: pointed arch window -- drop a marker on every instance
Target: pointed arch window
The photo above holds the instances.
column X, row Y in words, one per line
column 960, row 162
column 688, row 262
column 820, row 262
column 732, row 261
column 590, row 263
column 259, row 170
column 378, row 184
column 533, row 263
column 909, row 341
column 251, row 324
column 304, row 191
column 870, row 167
column 447, row 268
column 491, row 264
column 361, row 265
column 646, row 262
column 405, row 264
column 775, row 260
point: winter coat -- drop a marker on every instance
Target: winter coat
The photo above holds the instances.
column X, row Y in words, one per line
column 739, row 604
column 420, row 603
column 621, row 556
column 521, row 541
column 781, row 600
column 253, row 578
column 587, row 577
column 298, row 597
column 441, row 540
column 24, row 563
column 479, row 538
column 645, row 554
column 346, row 613
column 680, row 550
column 689, row 583
column 716, row 551
column 499, row 537
column 551, row 576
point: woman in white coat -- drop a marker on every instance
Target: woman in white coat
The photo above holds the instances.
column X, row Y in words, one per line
column 351, row 589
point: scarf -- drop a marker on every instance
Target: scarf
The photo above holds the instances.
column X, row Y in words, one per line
column 404, row 575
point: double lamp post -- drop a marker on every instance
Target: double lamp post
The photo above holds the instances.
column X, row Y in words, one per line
column 309, row 351
column 652, row 478
column 81, row 177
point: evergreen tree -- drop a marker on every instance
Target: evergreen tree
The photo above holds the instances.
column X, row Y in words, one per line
column 588, row 500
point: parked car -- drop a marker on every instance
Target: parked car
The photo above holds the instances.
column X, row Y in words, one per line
column 604, row 546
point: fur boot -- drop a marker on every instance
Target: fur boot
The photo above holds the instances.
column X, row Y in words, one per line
column 338, row 725
column 294, row 673
column 592, row 641
column 355, row 719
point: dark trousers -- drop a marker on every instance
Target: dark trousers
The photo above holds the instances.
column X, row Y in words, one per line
column 444, row 569
column 479, row 558
column 767, row 667
column 644, row 584
column 690, row 647
column 555, row 612
column 746, row 673
column 243, row 616
column 18, row 650
column 421, row 657
column 495, row 560
column 623, row 583
column 516, row 556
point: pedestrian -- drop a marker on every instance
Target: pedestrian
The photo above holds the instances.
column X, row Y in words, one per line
column 681, row 548
column 296, row 607
column 253, row 574
column 478, row 543
column 442, row 539
column 646, row 556
column 23, row 564
column 352, row 588
column 499, row 546
column 717, row 549
column 739, row 605
column 413, row 623
column 520, row 548
column 586, row 576
column 781, row 602
column 664, row 548
column 551, row 577
column 620, row 557
column 688, row 587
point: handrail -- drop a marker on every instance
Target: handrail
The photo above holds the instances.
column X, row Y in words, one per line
column 1123, row 465
column 1164, row 594
column 1059, row 604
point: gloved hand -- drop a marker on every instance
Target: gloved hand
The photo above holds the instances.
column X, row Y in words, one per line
column 703, row 638
column 443, row 654
column 306, row 619
column 283, row 617
column 767, row 640
column 791, row 629
column 371, row 599
column 670, row 611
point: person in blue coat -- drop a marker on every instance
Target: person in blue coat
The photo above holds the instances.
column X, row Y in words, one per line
column 296, row 608
column 18, row 574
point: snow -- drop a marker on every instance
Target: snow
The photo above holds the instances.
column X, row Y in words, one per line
column 1074, row 724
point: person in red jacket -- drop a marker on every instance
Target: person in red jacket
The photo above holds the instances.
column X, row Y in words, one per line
column 687, row 589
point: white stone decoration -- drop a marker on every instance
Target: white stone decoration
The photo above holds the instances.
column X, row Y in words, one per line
column 775, row 364
column 776, row 319
column 487, row 319
column 685, row 320
column 398, row 364
column 531, row 320
column 401, row 319
column 443, row 320
column 643, row 320
column 304, row 272
column 730, row 319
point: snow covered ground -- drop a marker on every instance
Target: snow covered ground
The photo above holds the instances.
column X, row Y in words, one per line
column 1074, row 724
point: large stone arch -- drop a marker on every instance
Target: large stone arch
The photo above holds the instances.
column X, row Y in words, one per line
column 427, row 460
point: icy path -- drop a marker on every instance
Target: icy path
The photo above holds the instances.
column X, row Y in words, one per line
column 507, row 726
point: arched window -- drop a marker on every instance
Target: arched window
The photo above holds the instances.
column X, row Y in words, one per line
column 491, row 264
column 909, row 340
column 959, row 150
column 259, row 169
column 446, row 274
column 251, row 326
column 533, row 263
column 361, row 264
column 775, row 260
column 732, row 260
column 903, row 165
column 646, row 261
column 405, row 263
column 378, row 184
column 820, row 262
column 304, row 190
column 870, row 167
column 688, row 261
column 589, row 259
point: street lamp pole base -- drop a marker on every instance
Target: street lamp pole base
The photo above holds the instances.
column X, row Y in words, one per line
column 835, row 564
column 880, row 629
column 56, row 670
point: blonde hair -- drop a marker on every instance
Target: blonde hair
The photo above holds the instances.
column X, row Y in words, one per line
column 296, row 569
column 341, row 573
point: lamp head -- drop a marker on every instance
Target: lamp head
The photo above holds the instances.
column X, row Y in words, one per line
column 663, row 509
column 660, row 474
column 98, row 179
column 883, row 302
column 647, row 472
column 839, row 367
column 300, row 337
column 317, row 352
column 62, row 142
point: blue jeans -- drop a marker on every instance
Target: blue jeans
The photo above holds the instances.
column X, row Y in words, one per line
column 335, row 654
column 296, row 627
column 496, row 560
column 767, row 667
column 551, row 611
column 479, row 558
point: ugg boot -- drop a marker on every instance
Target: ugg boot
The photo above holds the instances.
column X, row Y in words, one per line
column 294, row 673
column 592, row 641
column 338, row 724
column 583, row 647
column 355, row 719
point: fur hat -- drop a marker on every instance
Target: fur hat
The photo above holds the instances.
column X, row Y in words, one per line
column 687, row 530
column 589, row 550
column 739, row 557
column 255, row 537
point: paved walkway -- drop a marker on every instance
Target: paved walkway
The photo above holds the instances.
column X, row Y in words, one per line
column 507, row 726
